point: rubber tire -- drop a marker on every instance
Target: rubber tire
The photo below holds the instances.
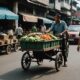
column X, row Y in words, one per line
column 8, row 49
column 58, row 61
column 27, row 63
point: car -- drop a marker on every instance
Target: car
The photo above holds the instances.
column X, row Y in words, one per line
column 73, row 31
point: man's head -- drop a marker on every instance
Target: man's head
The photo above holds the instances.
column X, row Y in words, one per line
column 57, row 17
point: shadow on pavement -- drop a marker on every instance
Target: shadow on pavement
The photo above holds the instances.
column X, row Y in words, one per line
column 33, row 74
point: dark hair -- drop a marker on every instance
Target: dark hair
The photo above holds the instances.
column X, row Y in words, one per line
column 58, row 15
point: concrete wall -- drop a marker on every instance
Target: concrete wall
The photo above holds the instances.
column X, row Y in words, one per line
column 15, row 9
column 57, row 5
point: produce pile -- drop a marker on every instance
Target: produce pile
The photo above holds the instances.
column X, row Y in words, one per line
column 36, row 37
column 6, row 39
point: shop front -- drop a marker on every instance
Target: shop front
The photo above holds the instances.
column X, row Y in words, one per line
column 7, row 27
column 27, row 21
column 7, row 18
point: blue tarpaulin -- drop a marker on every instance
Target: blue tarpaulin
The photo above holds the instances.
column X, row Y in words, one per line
column 2, row 16
column 7, row 14
column 46, row 20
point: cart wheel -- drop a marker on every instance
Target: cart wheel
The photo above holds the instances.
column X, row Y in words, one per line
column 8, row 49
column 58, row 61
column 26, row 61
column 15, row 47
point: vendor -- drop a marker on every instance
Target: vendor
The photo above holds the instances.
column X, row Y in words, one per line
column 19, row 32
column 59, row 27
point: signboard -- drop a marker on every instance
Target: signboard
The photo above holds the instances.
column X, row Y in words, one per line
column 45, row 2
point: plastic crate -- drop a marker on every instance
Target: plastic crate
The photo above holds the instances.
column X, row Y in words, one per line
column 39, row 45
column 54, row 43
column 34, row 45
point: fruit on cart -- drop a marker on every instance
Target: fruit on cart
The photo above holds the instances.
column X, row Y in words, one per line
column 24, row 38
column 53, row 37
column 32, row 39
column 38, row 37
column 3, row 36
column 15, row 40
column 1, row 42
column 33, row 34
column 46, row 37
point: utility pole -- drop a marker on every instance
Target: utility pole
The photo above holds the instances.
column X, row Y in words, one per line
column 71, row 12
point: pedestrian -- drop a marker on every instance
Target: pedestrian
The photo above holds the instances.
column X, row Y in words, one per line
column 34, row 28
column 10, row 33
column 78, row 47
column 59, row 27
column 43, row 28
column 41, row 25
column 19, row 32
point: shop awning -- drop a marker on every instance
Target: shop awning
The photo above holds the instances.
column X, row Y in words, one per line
column 2, row 16
column 29, row 18
column 46, row 20
column 7, row 14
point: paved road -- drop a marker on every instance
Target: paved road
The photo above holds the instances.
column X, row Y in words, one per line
column 10, row 68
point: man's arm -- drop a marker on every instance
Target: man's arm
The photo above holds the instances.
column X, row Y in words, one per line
column 50, row 28
column 65, row 28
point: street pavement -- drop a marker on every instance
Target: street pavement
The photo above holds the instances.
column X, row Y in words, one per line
column 10, row 68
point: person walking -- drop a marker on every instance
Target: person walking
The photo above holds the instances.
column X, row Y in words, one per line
column 19, row 32
column 78, row 47
column 43, row 28
column 34, row 28
column 59, row 27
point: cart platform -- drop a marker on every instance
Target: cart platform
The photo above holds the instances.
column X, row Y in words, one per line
column 40, row 46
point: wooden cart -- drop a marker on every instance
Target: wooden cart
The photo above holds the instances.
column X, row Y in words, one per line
column 7, row 44
column 50, row 50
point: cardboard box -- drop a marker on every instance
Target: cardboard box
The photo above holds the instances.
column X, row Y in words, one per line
column 1, row 42
column 3, row 36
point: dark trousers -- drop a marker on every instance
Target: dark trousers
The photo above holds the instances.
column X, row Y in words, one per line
column 63, row 48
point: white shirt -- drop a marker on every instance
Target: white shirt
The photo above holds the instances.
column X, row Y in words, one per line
column 10, row 32
column 43, row 28
column 19, row 31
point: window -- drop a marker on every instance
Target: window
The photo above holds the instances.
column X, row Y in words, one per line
column 62, row 0
column 67, row 1
column 51, row 1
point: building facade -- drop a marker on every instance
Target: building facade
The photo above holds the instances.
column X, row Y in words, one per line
column 65, row 7
column 12, row 7
column 30, row 10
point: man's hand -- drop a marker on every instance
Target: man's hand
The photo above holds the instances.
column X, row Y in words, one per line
column 47, row 31
column 61, row 34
